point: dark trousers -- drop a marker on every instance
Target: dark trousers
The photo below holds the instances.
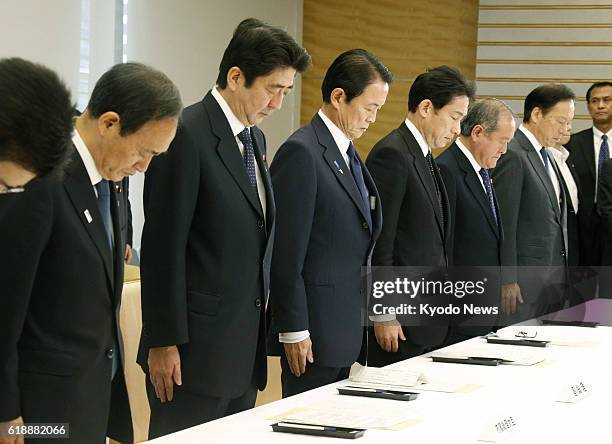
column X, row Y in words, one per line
column 190, row 409
column 315, row 376
column 377, row 357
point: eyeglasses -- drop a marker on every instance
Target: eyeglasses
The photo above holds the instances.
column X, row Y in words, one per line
column 5, row 189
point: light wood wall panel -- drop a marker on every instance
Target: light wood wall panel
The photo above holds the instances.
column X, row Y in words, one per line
column 407, row 35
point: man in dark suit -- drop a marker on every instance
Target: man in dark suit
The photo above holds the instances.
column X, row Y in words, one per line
column 62, row 264
column 207, row 239
column 589, row 149
column 328, row 219
column 416, row 223
column 533, row 207
column 604, row 209
column 31, row 144
column 477, row 233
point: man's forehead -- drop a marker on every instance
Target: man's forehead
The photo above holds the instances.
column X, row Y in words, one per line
column 601, row 91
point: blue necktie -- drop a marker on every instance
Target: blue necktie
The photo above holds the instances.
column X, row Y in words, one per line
column 358, row 177
column 545, row 158
column 249, row 156
column 103, row 190
column 604, row 153
column 487, row 183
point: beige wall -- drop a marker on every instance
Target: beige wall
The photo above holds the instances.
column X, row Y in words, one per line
column 407, row 35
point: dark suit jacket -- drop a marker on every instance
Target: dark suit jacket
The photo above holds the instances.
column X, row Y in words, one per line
column 413, row 233
column 533, row 219
column 582, row 156
column 206, row 253
column 322, row 241
column 476, row 237
column 61, row 291
column 604, row 209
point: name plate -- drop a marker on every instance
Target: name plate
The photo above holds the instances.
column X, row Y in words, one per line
column 575, row 392
column 500, row 429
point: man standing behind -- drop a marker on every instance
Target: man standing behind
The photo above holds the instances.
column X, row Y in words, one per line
column 532, row 206
column 207, row 239
column 415, row 206
column 328, row 219
column 61, row 266
column 589, row 149
column 477, row 232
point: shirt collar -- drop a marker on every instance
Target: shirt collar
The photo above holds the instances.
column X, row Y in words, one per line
column 342, row 142
column 598, row 133
column 534, row 142
column 561, row 154
column 418, row 136
column 464, row 149
column 235, row 123
column 90, row 165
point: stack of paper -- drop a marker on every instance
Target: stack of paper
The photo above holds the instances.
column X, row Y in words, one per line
column 513, row 355
column 397, row 377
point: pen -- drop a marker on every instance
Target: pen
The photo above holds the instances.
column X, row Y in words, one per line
column 305, row 426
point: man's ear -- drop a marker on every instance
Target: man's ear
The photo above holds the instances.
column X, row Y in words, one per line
column 235, row 77
column 336, row 97
column 109, row 122
column 425, row 108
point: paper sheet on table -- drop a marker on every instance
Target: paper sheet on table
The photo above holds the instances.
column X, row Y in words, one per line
column 353, row 413
column 514, row 354
column 397, row 377
column 557, row 335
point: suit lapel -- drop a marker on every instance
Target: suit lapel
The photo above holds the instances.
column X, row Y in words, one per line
column 82, row 196
column 422, row 169
column 475, row 187
column 536, row 162
column 228, row 151
column 588, row 152
column 336, row 162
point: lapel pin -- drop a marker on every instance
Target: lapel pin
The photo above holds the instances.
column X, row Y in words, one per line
column 88, row 216
column 338, row 166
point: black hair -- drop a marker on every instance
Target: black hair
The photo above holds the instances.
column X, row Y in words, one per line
column 440, row 85
column 35, row 117
column 596, row 85
column 546, row 97
column 258, row 48
column 353, row 71
column 138, row 93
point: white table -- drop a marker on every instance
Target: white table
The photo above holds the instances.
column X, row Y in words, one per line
column 526, row 393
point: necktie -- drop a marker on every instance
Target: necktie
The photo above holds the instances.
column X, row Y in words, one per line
column 545, row 158
column 604, row 153
column 487, row 183
column 249, row 156
column 358, row 177
column 430, row 163
column 103, row 190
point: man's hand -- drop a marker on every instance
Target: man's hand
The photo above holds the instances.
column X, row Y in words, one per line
column 164, row 371
column 128, row 254
column 387, row 334
column 297, row 354
column 510, row 297
column 5, row 438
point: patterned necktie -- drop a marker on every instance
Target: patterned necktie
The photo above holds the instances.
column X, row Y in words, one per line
column 430, row 163
column 487, row 183
column 249, row 156
column 604, row 153
column 358, row 177
column 103, row 190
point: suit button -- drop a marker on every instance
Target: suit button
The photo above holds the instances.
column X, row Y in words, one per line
column 365, row 225
column 563, row 253
column 110, row 353
column 257, row 302
column 260, row 223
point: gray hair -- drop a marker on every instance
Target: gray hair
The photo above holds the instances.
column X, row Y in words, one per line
column 486, row 113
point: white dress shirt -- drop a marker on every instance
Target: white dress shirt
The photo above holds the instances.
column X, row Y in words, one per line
column 237, row 127
column 560, row 155
column 536, row 145
column 418, row 136
column 467, row 153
